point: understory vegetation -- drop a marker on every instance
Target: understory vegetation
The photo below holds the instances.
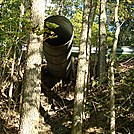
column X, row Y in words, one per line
column 57, row 106
column 94, row 92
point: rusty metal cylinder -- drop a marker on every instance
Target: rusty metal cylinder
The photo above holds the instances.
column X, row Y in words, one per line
column 57, row 49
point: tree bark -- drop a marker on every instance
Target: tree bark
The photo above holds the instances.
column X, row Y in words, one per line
column 82, row 72
column 32, row 79
column 112, row 82
column 89, row 42
column 22, row 10
column 102, row 54
column 12, row 73
column 93, row 5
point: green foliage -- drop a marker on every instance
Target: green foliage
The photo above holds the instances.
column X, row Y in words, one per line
column 12, row 37
column 10, row 21
column 14, row 31
column 126, row 15
column 51, row 25
column 128, row 37
column 126, row 18
column 49, row 30
column 73, row 10
column 77, row 24
column 95, row 32
column 125, row 57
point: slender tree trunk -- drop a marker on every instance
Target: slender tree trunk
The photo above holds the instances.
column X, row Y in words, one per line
column 89, row 42
column 12, row 74
column 112, row 82
column 32, row 79
column 82, row 72
column 22, row 9
column 102, row 56
column 93, row 5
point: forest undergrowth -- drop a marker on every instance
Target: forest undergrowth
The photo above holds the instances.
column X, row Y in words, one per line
column 57, row 107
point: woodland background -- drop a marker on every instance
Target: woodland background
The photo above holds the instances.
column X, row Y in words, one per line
column 108, row 89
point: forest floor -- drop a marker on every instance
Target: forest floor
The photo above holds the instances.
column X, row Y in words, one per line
column 57, row 107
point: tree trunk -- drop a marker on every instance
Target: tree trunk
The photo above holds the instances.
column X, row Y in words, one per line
column 12, row 74
column 32, row 79
column 112, row 82
column 102, row 54
column 93, row 5
column 90, row 23
column 22, row 10
column 82, row 72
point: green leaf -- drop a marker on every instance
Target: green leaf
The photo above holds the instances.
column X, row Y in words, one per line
column 51, row 25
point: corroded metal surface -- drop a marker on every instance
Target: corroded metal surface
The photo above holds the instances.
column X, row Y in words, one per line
column 57, row 50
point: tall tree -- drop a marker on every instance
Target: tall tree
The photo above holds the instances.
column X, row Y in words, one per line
column 102, row 42
column 112, row 83
column 93, row 5
column 82, row 72
column 32, row 80
column 89, row 40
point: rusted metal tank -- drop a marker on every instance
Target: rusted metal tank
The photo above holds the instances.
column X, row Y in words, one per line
column 57, row 50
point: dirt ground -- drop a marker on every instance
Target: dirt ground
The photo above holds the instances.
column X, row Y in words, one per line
column 56, row 108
